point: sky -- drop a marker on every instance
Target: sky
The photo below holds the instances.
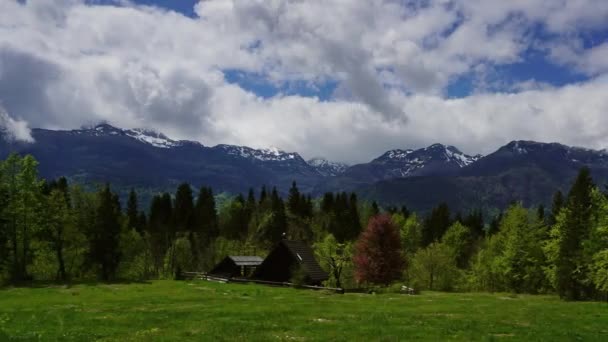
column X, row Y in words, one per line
column 340, row 79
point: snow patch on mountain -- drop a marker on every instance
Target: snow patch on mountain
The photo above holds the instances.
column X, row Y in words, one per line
column 153, row 138
column 266, row 154
column 404, row 163
column 146, row 136
column 327, row 168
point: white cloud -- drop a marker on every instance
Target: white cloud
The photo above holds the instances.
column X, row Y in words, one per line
column 67, row 63
column 12, row 129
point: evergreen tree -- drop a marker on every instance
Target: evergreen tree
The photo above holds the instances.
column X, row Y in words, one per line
column 327, row 204
column 133, row 215
column 183, row 211
column 354, row 221
column 56, row 231
column 495, row 224
column 104, row 236
column 263, row 195
column 556, row 207
column 436, row 224
column 234, row 220
column 206, row 215
column 375, row 209
column 540, row 213
column 475, row 223
column 568, row 269
column 521, row 261
column 294, row 201
column 160, row 228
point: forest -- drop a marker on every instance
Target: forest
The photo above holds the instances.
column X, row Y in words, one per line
column 55, row 231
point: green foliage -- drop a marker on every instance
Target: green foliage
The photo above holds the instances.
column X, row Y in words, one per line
column 436, row 224
column 104, row 235
column 336, row 258
column 178, row 258
column 434, row 268
column 459, row 240
column 512, row 259
column 568, row 267
column 56, row 231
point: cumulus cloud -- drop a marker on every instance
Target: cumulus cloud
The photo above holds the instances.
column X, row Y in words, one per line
column 14, row 130
column 72, row 62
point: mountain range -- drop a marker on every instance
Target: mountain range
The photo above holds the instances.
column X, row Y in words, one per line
column 524, row 171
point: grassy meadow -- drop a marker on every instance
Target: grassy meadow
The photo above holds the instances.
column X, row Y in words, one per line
column 207, row 311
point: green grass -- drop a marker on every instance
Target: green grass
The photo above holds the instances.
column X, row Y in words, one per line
column 201, row 311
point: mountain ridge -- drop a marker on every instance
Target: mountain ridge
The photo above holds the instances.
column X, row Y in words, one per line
column 521, row 169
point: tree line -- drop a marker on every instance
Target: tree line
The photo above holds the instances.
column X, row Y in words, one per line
column 52, row 230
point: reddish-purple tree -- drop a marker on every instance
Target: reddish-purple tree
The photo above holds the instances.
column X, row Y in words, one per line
column 378, row 258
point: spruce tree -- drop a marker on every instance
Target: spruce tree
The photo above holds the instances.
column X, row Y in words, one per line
column 327, row 204
column 183, row 211
column 206, row 215
column 104, row 236
column 133, row 219
column 294, row 201
column 565, row 250
column 436, row 224
column 556, row 207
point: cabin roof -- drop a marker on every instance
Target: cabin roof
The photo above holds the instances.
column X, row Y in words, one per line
column 246, row 260
column 304, row 254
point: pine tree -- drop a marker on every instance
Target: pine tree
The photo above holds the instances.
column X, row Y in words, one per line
column 568, row 270
column 354, row 221
column 378, row 258
column 279, row 217
column 375, row 209
column 294, row 201
column 133, row 217
column 556, row 207
column 263, row 195
column 327, row 204
column 59, row 220
column 104, row 236
column 183, row 211
column 475, row 223
column 234, row 219
column 540, row 213
column 206, row 215
column 436, row 224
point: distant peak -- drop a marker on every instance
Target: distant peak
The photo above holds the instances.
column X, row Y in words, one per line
column 326, row 167
column 263, row 154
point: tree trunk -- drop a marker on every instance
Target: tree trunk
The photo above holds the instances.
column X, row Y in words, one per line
column 61, row 270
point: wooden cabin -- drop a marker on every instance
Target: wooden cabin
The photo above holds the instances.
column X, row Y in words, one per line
column 287, row 257
column 236, row 266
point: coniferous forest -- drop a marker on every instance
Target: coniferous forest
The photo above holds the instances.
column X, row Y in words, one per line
column 54, row 231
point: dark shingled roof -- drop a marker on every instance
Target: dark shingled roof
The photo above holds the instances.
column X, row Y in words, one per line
column 307, row 260
column 246, row 260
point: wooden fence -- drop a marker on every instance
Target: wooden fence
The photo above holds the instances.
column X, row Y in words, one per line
column 205, row 276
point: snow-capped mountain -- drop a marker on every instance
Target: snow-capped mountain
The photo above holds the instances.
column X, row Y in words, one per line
column 435, row 159
column 146, row 136
column 327, row 168
column 265, row 154
column 558, row 159
column 521, row 170
column 139, row 157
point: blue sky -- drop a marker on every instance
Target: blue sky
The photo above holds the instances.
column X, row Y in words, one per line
column 346, row 80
